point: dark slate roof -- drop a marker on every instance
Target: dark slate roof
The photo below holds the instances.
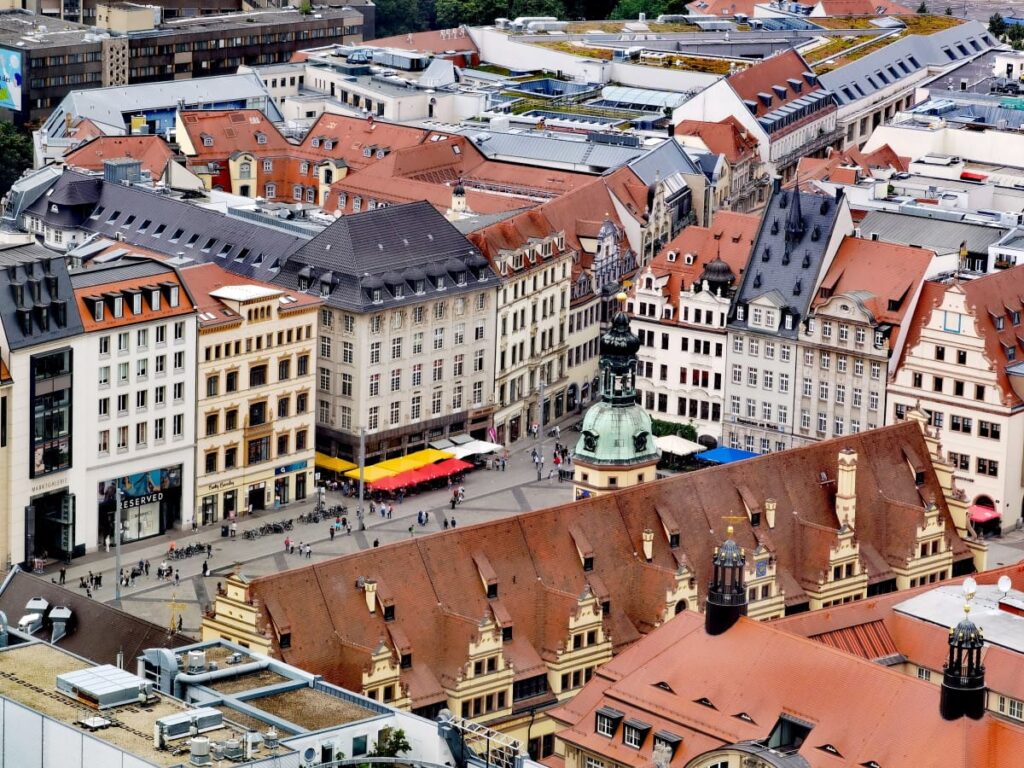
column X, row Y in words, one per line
column 801, row 224
column 663, row 161
column 253, row 250
column 32, row 321
column 67, row 203
column 127, row 269
column 385, row 249
column 97, row 630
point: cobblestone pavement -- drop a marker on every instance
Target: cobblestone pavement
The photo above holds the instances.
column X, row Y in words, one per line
column 490, row 495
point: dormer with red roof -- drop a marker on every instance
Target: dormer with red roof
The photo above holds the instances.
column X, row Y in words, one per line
column 780, row 101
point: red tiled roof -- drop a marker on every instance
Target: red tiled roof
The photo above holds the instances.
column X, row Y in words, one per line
column 870, row 640
column 864, row 8
column 231, row 131
column 768, row 74
column 89, row 322
column 730, row 238
column 847, row 166
column 202, row 279
column 437, row 41
column 877, row 273
column 882, row 717
column 727, row 137
column 722, row 7
column 151, row 151
column 988, row 298
column 439, row 600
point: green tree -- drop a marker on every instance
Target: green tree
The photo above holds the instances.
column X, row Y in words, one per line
column 661, row 428
column 996, row 25
column 631, row 9
column 949, row 11
column 305, row 7
column 16, row 151
column 390, row 743
column 396, row 17
column 923, row 7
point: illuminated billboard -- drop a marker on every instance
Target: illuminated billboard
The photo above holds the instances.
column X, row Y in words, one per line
column 10, row 79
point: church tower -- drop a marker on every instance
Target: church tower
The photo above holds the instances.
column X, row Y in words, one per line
column 616, row 448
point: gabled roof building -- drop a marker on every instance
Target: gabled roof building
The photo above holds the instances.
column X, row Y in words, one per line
column 495, row 619
column 797, row 240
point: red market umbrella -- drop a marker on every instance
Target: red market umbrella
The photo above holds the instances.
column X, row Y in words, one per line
column 453, row 466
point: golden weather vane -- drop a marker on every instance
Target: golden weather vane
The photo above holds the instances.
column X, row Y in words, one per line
column 176, row 607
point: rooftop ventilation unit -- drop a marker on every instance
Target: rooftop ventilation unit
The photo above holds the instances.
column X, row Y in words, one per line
column 196, row 662
column 60, row 620
column 104, row 687
column 191, row 723
column 35, row 613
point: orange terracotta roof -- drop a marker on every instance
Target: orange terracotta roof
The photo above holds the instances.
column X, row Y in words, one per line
column 884, row 277
column 991, row 299
column 439, row 599
column 864, row 8
column 231, row 131
column 722, row 7
column 152, row 151
column 398, row 191
column 435, row 41
column 352, row 137
column 84, row 129
column 727, row 137
column 847, row 166
column 766, row 75
column 719, row 690
column 730, row 237
column 89, row 322
column 202, row 279
column 5, row 373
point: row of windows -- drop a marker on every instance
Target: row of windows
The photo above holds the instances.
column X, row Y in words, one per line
column 258, row 375
column 539, row 279
column 839, row 422
column 257, row 343
column 938, row 384
column 142, row 434
column 962, row 461
column 693, row 376
column 141, row 339
column 141, row 369
column 257, row 451
column 826, row 393
column 930, row 578
column 749, row 443
column 781, row 412
column 691, row 407
column 141, row 400
column 582, row 352
column 481, row 705
column 842, row 363
column 753, row 348
column 258, row 414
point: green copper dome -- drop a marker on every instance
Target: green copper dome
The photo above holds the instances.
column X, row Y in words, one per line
column 617, row 430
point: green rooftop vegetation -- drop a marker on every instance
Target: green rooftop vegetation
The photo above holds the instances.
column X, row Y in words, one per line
column 835, row 47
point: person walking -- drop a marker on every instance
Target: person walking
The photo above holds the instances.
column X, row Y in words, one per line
column 376, row 543
column 455, row 500
column 287, row 542
column 234, row 529
column 411, row 531
column 209, row 549
column 206, row 568
column 453, row 521
column 332, row 532
column 446, row 523
column 177, row 577
column 145, row 568
column 63, row 575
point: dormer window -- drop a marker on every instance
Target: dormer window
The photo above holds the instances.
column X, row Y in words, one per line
column 1000, row 321
column 389, row 613
column 303, row 283
column 172, row 297
column 671, row 256
column 136, row 303
column 261, row 138
column 789, row 322
column 588, row 563
column 420, row 286
column 688, row 258
column 607, row 721
column 328, row 145
column 406, row 661
column 315, row 143
column 439, row 283
column 207, row 140
column 740, row 313
column 492, row 590
column 97, row 311
column 399, row 291
column 377, row 295
column 154, row 300
column 118, row 306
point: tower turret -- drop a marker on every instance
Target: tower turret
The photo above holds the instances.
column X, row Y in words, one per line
column 727, row 594
column 963, row 676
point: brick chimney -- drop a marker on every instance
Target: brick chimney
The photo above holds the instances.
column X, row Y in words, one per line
column 846, row 492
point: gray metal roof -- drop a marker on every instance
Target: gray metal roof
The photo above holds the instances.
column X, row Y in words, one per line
column 33, row 321
column 162, row 223
column 941, row 236
column 645, row 96
column 128, row 269
column 891, row 63
column 944, row 606
column 108, row 106
column 666, row 159
column 535, row 149
column 788, row 254
column 388, row 250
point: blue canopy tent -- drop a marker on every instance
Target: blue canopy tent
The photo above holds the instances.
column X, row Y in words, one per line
column 724, row 455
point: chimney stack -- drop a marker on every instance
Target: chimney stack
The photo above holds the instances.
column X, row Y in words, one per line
column 846, row 492
column 648, row 544
column 370, row 593
column 769, row 512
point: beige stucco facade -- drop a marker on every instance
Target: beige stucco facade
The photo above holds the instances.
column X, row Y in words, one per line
column 255, row 441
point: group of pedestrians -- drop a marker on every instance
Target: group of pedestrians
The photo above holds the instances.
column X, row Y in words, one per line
column 305, row 550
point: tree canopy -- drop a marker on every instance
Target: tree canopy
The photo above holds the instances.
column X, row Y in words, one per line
column 16, row 151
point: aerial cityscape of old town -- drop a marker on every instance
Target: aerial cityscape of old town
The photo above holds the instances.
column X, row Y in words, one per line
column 524, row 384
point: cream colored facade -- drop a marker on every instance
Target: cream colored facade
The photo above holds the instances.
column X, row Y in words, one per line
column 235, row 617
column 533, row 315
column 408, row 374
column 948, row 374
column 255, row 423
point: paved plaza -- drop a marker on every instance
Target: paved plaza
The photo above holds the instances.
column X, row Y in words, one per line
column 490, row 495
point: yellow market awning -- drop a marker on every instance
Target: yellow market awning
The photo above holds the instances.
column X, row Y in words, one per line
column 399, row 465
column 429, row 456
column 371, row 474
column 331, row 463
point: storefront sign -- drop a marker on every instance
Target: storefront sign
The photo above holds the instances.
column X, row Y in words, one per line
column 295, row 467
column 138, row 501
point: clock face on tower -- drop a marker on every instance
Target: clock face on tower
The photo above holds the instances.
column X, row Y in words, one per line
column 761, row 569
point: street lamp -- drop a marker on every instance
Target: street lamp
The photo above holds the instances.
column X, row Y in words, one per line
column 540, row 405
column 117, row 542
